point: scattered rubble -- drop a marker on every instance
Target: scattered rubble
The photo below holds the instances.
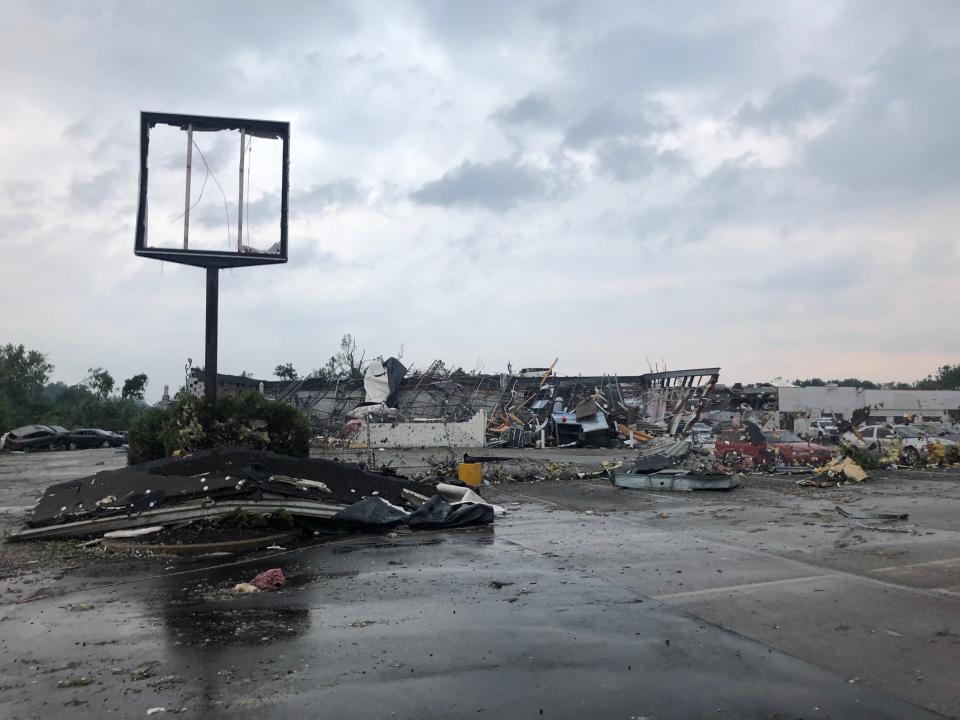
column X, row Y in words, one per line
column 272, row 579
column 876, row 520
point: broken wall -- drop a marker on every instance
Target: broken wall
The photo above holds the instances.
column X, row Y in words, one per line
column 469, row 434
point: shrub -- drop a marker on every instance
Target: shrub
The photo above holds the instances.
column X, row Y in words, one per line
column 861, row 456
column 193, row 424
column 145, row 437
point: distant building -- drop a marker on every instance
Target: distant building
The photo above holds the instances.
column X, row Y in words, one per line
column 884, row 405
column 165, row 400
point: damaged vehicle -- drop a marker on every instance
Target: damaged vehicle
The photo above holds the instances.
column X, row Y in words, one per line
column 821, row 430
column 941, row 432
column 768, row 448
column 884, row 437
column 35, row 437
column 701, row 435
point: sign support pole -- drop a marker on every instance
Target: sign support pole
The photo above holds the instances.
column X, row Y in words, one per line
column 210, row 359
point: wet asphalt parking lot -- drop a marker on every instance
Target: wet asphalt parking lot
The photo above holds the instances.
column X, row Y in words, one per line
column 582, row 601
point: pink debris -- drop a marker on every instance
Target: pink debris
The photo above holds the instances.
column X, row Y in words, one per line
column 269, row 580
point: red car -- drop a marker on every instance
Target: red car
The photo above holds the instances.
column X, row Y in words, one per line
column 776, row 447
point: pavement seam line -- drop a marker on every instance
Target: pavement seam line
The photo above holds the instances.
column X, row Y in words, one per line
column 743, row 586
column 827, row 571
column 891, row 568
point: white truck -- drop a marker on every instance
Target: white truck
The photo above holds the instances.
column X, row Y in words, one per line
column 819, row 430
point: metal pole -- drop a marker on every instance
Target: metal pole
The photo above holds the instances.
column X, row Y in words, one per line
column 210, row 361
column 186, row 201
column 243, row 152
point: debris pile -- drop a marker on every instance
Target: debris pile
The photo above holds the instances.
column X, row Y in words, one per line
column 546, row 410
column 669, row 464
column 313, row 493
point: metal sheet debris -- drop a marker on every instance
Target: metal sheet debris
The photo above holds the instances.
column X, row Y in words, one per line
column 675, row 481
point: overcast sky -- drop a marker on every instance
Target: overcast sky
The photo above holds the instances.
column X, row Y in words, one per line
column 767, row 187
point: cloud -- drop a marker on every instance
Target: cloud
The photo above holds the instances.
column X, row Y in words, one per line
column 629, row 162
column 330, row 195
column 729, row 160
column 612, row 119
column 899, row 138
column 497, row 186
column 533, row 108
column 648, row 55
column 793, row 102
column 95, row 190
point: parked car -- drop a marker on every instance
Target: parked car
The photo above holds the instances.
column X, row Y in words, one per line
column 83, row 438
column 35, row 437
column 913, row 442
column 769, row 448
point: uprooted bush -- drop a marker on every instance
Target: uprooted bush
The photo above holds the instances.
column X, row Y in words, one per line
column 193, row 424
column 863, row 457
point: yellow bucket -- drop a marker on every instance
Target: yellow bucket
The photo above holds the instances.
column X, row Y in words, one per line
column 469, row 474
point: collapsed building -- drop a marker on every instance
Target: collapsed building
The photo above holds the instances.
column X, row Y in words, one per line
column 391, row 407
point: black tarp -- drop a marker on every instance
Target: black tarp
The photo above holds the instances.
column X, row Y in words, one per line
column 437, row 513
column 396, row 371
column 371, row 513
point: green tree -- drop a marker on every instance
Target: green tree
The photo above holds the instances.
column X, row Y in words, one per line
column 134, row 387
column 946, row 378
column 101, row 382
column 286, row 372
column 847, row 382
column 23, row 374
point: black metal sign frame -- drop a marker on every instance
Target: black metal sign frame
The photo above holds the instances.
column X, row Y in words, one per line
column 270, row 129
column 212, row 260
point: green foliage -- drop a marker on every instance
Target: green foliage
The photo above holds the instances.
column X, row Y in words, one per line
column 193, row 424
column 947, row 378
column 848, row 382
column 134, row 387
column 23, row 374
column 77, row 406
column 866, row 459
column 101, row 382
column 26, row 397
column 145, row 437
column 286, row 372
